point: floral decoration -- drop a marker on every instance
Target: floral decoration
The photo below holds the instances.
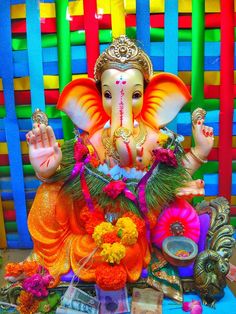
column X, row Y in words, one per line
column 166, row 156
column 113, row 253
column 114, row 188
column 80, row 151
column 30, row 268
column 100, row 230
column 27, row 303
column 13, row 270
column 128, row 230
column 162, row 139
column 37, row 284
column 111, row 237
column 111, row 276
column 113, row 240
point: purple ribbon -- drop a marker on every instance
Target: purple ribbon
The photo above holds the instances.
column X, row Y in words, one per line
column 79, row 170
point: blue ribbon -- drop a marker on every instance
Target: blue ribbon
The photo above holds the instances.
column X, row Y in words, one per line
column 171, row 43
column 143, row 24
column 11, row 126
column 35, row 54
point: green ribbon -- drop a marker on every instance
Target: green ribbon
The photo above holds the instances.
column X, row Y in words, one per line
column 24, row 111
column 210, row 167
column 64, row 59
column 197, row 87
column 105, row 36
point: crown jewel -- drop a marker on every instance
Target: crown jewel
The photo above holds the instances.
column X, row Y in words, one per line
column 123, row 54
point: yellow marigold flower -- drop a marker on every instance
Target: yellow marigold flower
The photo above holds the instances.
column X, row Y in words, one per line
column 113, row 253
column 128, row 230
column 162, row 138
column 100, row 230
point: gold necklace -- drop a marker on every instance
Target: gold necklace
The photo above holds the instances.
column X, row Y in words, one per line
column 124, row 133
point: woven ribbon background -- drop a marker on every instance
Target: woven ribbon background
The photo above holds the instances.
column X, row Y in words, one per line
column 46, row 44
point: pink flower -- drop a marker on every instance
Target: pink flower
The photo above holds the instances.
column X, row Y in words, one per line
column 37, row 285
column 80, row 151
column 114, row 188
column 166, row 156
column 194, row 307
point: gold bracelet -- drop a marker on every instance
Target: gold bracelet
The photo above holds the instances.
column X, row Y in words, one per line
column 196, row 157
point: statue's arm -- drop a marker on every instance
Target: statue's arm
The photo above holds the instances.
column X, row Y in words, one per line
column 44, row 151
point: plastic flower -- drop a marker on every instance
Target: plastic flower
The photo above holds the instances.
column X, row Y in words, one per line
column 100, row 230
column 165, row 156
column 113, row 253
column 37, row 285
column 114, row 188
column 162, row 139
column 30, row 268
column 13, row 270
column 27, row 303
column 111, row 277
column 127, row 231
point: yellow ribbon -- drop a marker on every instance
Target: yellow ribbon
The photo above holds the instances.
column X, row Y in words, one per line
column 52, row 81
column 3, row 241
column 47, row 10
column 23, row 145
column 117, row 18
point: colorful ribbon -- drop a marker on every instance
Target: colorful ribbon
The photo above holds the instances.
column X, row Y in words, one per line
column 226, row 97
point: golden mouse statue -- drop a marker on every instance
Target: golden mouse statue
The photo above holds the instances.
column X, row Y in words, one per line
column 102, row 193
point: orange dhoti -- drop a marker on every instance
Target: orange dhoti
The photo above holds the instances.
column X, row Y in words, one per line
column 61, row 242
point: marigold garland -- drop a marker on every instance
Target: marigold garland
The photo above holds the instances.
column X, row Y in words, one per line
column 27, row 303
column 111, row 277
column 13, row 269
column 140, row 223
column 30, row 268
column 113, row 253
column 110, row 237
column 128, row 230
column 100, row 230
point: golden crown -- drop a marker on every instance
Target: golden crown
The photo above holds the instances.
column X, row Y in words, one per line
column 123, row 54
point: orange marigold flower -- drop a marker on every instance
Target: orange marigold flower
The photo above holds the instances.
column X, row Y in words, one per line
column 27, row 303
column 111, row 277
column 30, row 268
column 110, row 237
column 94, row 161
column 139, row 222
column 13, row 269
column 93, row 222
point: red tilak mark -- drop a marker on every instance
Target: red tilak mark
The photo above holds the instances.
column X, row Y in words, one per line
column 121, row 104
column 199, row 122
column 129, row 153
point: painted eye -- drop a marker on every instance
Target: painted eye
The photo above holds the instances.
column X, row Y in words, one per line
column 137, row 95
column 107, row 94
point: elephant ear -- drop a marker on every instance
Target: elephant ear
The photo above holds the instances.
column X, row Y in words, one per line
column 164, row 97
column 82, row 102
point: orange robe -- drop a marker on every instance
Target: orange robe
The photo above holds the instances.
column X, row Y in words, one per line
column 61, row 242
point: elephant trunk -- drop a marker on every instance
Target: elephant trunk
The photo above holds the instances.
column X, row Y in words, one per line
column 122, row 133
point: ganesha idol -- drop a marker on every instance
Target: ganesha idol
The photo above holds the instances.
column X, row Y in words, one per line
column 112, row 195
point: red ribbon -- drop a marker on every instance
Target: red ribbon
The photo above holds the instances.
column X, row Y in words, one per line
column 226, row 98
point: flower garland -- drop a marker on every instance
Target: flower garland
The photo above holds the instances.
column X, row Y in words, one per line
column 113, row 241
column 35, row 281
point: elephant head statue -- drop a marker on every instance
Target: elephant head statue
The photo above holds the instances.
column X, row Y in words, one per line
column 123, row 109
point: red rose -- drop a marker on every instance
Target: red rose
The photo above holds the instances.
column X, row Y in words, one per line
column 114, row 188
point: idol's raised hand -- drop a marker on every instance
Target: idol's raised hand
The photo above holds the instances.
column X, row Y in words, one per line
column 44, row 151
